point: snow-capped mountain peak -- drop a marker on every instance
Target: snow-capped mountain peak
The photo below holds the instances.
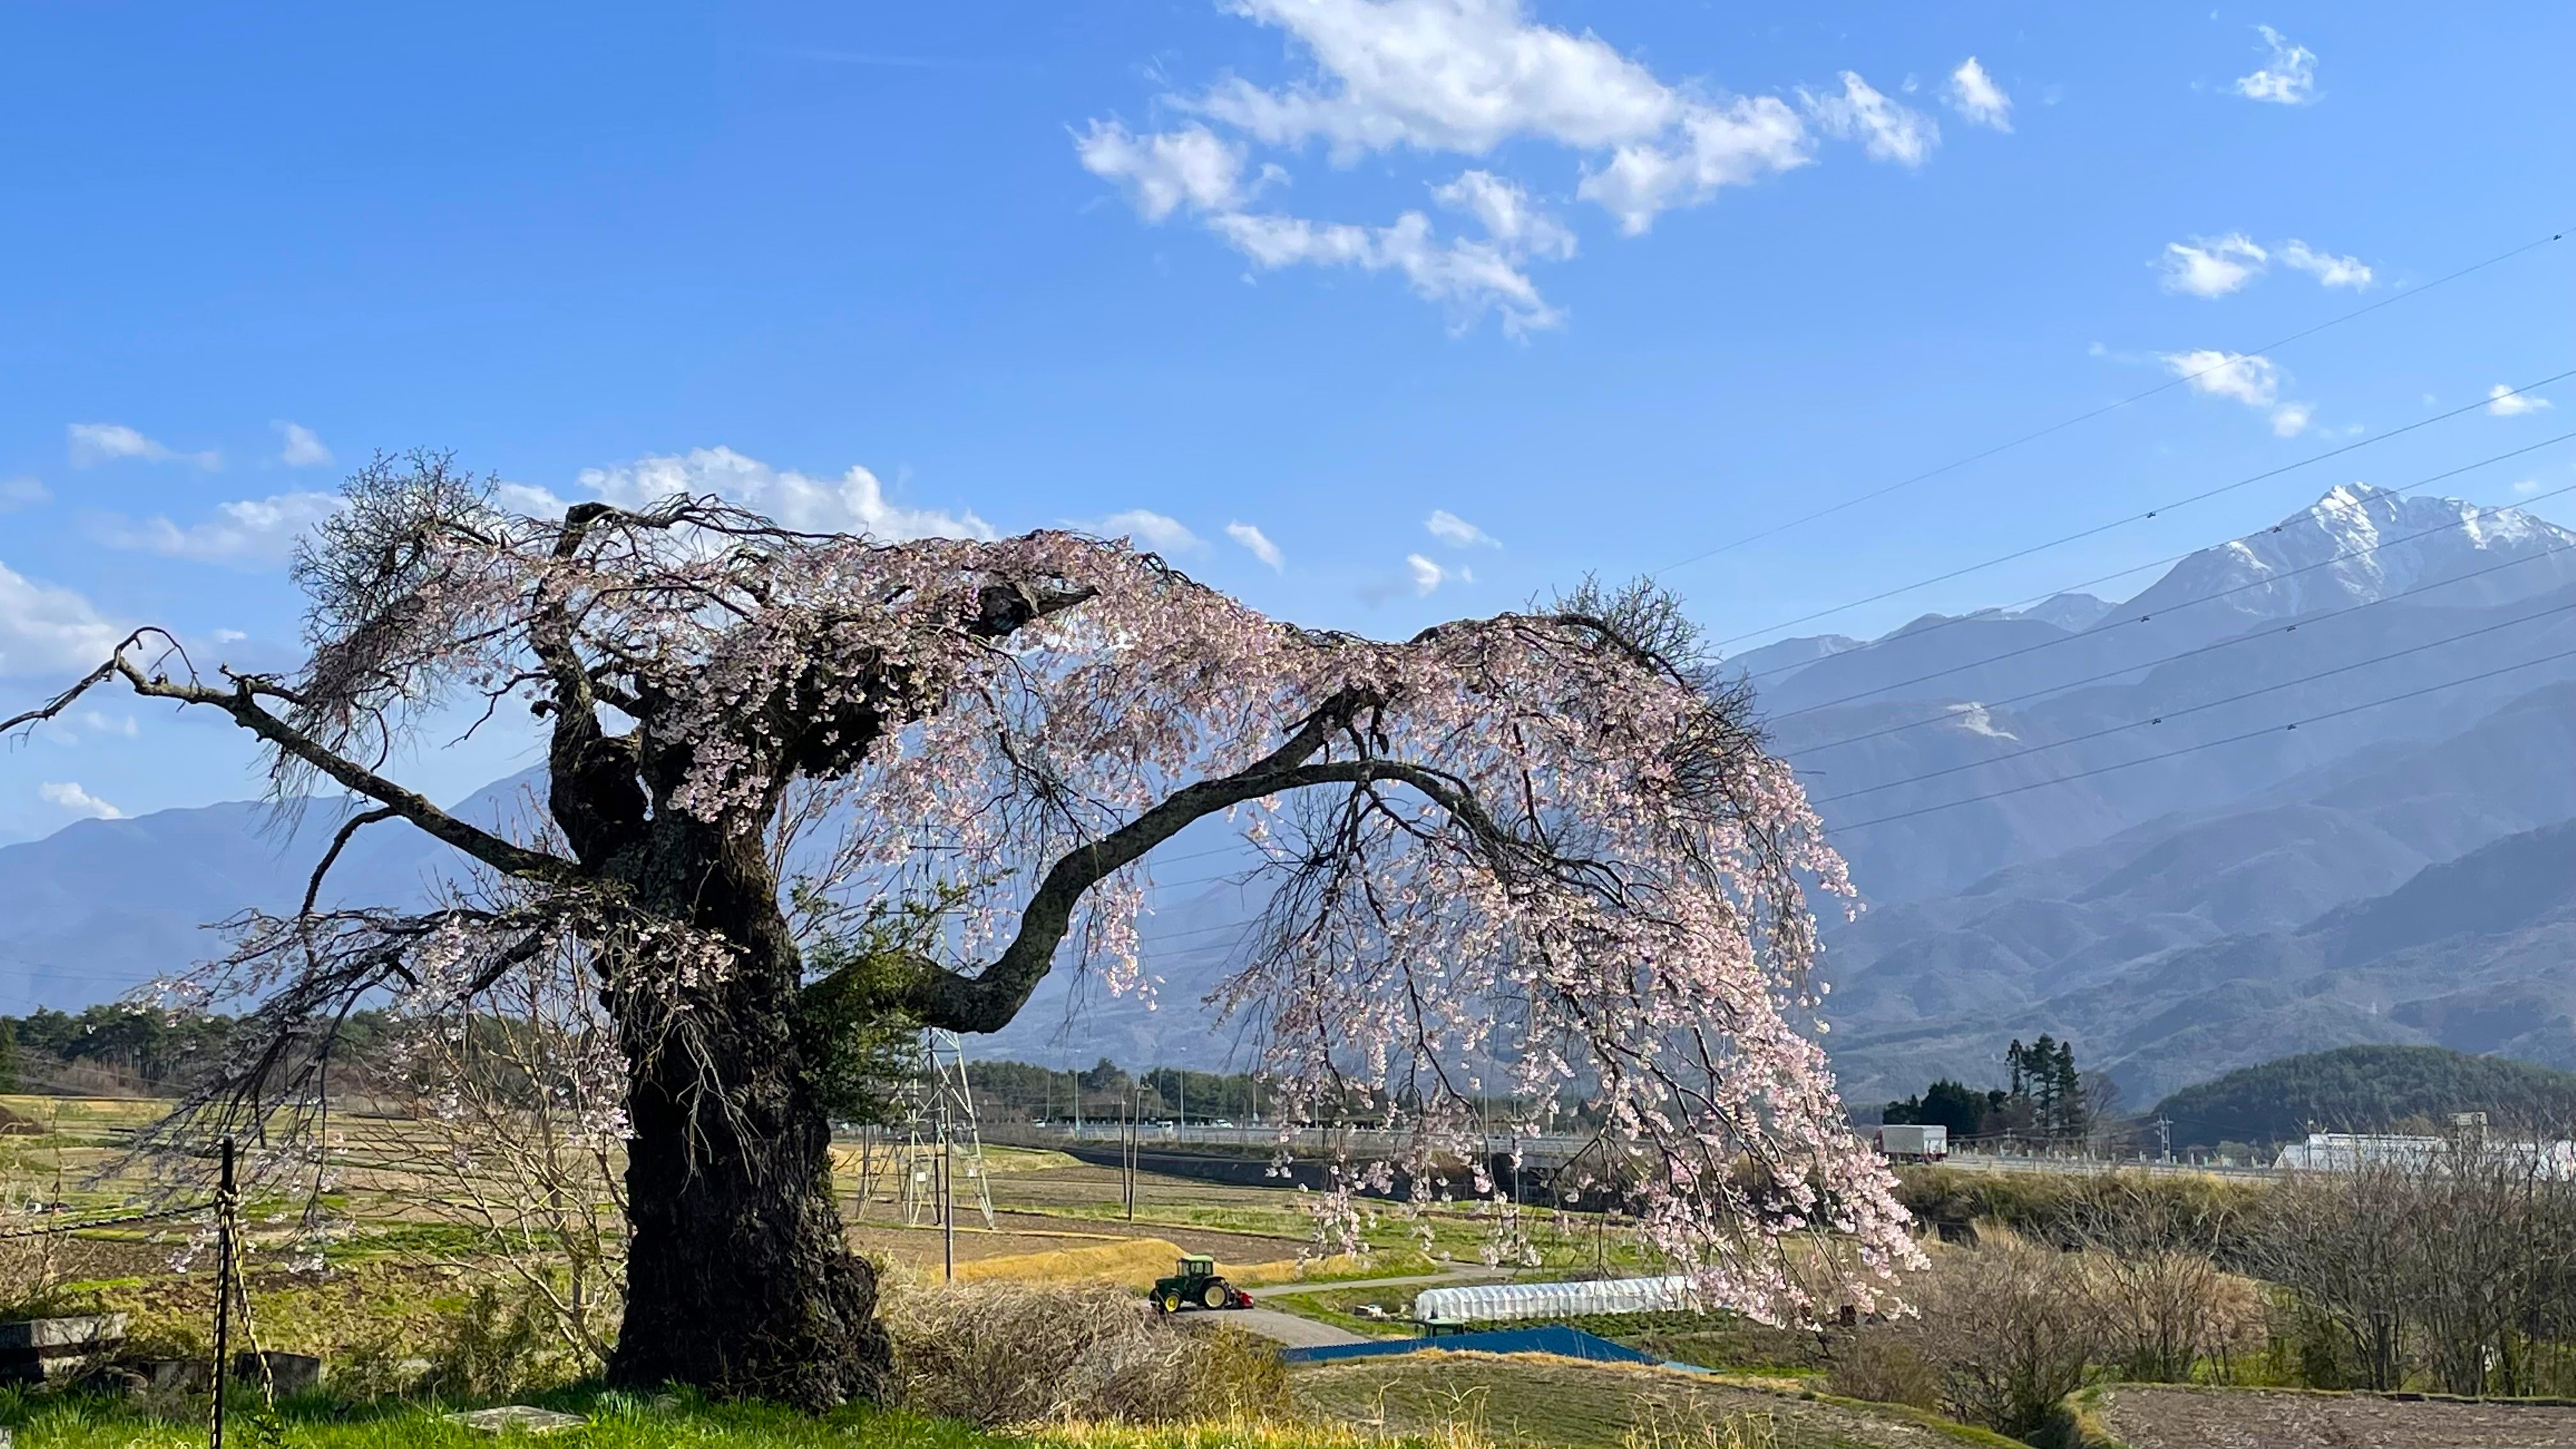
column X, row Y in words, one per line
column 2357, row 544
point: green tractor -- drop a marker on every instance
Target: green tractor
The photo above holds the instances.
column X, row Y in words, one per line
column 1197, row 1285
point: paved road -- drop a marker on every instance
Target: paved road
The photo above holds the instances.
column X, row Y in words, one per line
column 1296, row 1332
column 1289, row 1329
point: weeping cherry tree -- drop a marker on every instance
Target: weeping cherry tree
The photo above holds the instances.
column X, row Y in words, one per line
column 1541, row 855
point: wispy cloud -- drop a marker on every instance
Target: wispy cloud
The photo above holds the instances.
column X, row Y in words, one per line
column 2211, row 266
column 1426, row 574
column 95, row 443
column 1450, row 529
column 1887, row 130
column 2248, row 378
column 44, row 628
column 302, row 450
column 2504, row 402
column 2214, row 266
column 2288, row 75
column 855, row 502
column 247, row 531
column 1477, row 79
column 17, row 493
column 2329, row 270
column 1259, row 543
column 1974, row 94
column 69, row 795
column 1157, row 531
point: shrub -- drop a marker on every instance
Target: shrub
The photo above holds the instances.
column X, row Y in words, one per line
column 2014, row 1330
column 1018, row 1353
column 1879, row 1364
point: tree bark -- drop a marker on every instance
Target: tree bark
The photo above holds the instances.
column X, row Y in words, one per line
column 738, row 1280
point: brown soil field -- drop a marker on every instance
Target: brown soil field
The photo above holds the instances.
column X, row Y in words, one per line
column 1015, row 1233
column 2171, row 1417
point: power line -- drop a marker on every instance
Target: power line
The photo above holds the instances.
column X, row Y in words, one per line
column 2228, row 643
column 2208, row 744
column 2060, row 426
column 2100, row 528
column 2206, row 705
column 2264, row 582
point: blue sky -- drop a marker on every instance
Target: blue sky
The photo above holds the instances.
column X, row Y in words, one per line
column 1604, row 286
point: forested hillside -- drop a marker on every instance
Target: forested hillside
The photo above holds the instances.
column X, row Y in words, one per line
column 2369, row 1089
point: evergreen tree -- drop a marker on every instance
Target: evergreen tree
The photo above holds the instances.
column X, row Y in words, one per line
column 2068, row 1088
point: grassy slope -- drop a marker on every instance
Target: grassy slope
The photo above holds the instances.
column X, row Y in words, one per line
column 621, row 1422
column 1567, row 1404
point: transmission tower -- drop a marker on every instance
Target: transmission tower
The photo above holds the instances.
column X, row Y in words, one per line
column 941, row 1140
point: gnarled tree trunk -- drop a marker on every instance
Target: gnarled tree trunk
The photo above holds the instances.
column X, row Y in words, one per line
column 738, row 1280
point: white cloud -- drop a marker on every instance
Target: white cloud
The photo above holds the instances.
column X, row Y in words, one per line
column 69, row 795
column 1464, row 78
column 44, row 628
column 17, row 493
column 228, row 636
column 855, row 502
column 302, row 450
column 2288, row 75
column 2504, row 402
column 1457, row 532
column 2328, row 269
column 1974, row 94
column 1426, row 574
column 1440, row 75
column 2247, row 378
column 100, row 723
column 1257, row 541
column 2211, row 266
column 2527, row 485
column 1510, row 218
column 1735, row 143
column 250, row 530
column 94, row 443
column 1471, row 277
column 1156, row 530
column 1888, row 130
column 1190, row 167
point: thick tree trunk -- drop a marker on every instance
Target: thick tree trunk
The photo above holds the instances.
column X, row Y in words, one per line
column 738, row 1282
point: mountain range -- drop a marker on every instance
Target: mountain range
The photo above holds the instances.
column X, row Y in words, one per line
column 2309, row 788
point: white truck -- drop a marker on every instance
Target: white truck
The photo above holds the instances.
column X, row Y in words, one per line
column 1909, row 1142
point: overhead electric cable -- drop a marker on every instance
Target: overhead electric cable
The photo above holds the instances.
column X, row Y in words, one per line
column 2264, row 582
column 2227, row 643
column 2057, row 427
column 2207, row 744
column 2100, row 528
column 2172, row 714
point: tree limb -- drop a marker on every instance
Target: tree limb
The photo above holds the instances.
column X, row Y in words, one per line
column 242, row 703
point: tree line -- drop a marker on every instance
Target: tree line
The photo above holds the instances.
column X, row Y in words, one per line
column 2045, row 1098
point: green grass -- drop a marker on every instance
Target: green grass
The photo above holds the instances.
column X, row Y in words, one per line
column 1553, row 1403
column 623, row 1421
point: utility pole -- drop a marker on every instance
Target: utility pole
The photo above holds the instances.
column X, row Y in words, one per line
column 226, row 1199
column 947, row 1204
column 2164, row 1136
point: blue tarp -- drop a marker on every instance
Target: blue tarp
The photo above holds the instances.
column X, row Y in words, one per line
column 1555, row 1338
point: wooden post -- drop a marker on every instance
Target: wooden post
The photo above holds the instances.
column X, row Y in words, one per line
column 225, row 1202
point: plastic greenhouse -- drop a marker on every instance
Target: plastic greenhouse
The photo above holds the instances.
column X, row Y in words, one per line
column 1495, row 1302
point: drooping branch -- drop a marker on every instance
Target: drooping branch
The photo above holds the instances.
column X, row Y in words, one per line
column 242, row 703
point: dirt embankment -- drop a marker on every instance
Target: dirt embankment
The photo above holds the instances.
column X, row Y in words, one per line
column 2166, row 1417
